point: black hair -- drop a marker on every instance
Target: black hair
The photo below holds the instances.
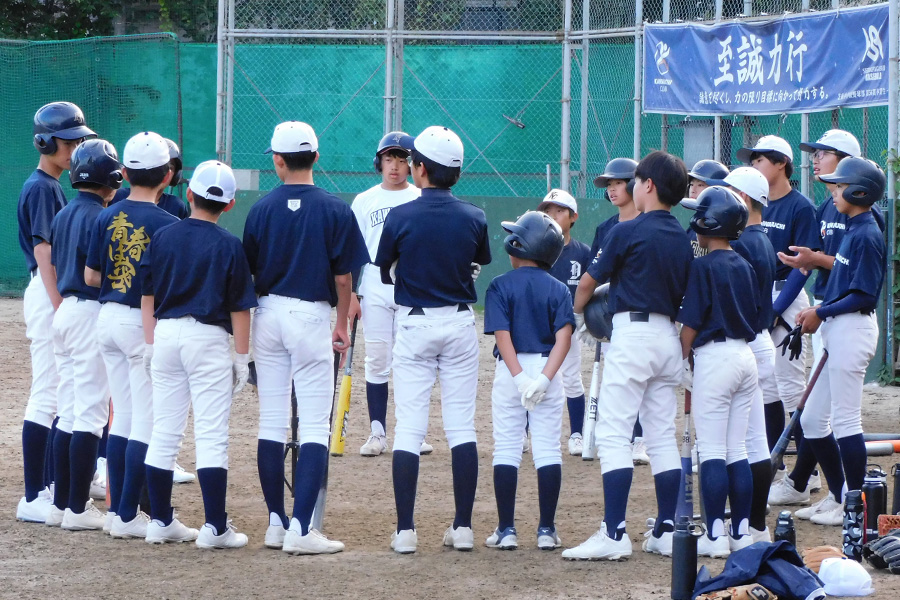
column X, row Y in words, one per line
column 211, row 206
column 298, row 161
column 94, row 188
column 668, row 173
column 439, row 176
column 756, row 205
column 148, row 178
column 776, row 158
column 396, row 152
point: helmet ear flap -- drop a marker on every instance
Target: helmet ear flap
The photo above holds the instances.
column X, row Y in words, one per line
column 376, row 162
column 45, row 144
column 629, row 187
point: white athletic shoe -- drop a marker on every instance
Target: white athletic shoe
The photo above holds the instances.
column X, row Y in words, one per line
column 639, row 452
column 658, row 545
column 526, row 443
column 135, row 528
column 826, row 504
column 600, row 547
column 90, row 519
column 275, row 533
column 739, row 543
column 833, row 517
column 98, row 487
column 717, row 548
column 761, row 536
column 100, row 473
column 35, row 511
column 779, row 474
column 374, row 446
column 311, row 543
column 179, row 475
column 208, row 539
column 55, row 516
column 108, row 521
column 815, row 483
column 424, row 449
column 505, row 540
column 461, row 538
column 783, row 493
column 404, row 542
column 548, row 539
column 175, row 532
column 576, row 444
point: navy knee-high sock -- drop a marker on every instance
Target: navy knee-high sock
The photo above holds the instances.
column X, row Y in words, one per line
column 549, row 483
column 464, row 460
column 853, row 457
column 774, row 412
column 270, row 463
column 213, row 486
column 506, row 480
column 667, row 484
column 761, row 472
column 159, row 488
column 616, row 486
column 576, row 414
column 405, row 471
column 61, row 444
column 740, row 494
column 34, row 454
column 135, row 480
column 828, row 455
column 638, row 430
column 310, row 472
column 104, row 440
column 377, row 399
column 115, row 466
column 82, row 466
column 804, row 466
column 48, row 456
column 714, row 486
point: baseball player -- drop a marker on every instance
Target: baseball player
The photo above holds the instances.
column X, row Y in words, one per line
column 530, row 314
column 719, row 316
column 58, row 128
column 700, row 176
column 302, row 244
column 573, row 261
column 83, row 393
column 426, row 250
column 196, row 283
column 831, row 420
column 119, row 239
column 375, row 302
column 646, row 261
column 170, row 203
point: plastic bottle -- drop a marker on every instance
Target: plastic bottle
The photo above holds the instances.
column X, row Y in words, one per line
column 784, row 528
column 874, row 491
column 853, row 524
column 684, row 559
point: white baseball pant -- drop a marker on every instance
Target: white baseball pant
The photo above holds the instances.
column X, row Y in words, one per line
column 379, row 321
column 767, row 391
column 38, row 309
column 790, row 374
column 570, row 370
column 816, row 338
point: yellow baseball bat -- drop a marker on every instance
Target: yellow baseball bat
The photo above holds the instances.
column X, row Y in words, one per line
column 339, row 431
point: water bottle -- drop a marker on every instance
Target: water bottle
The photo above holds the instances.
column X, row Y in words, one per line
column 784, row 528
column 684, row 559
column 895, row 507
column 874, row 491
column 853, row 525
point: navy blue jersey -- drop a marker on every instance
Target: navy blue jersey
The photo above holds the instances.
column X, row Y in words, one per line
column 790, row 221
column 196, row 268
column 298, row 238
column 832, row 225
column 860, row 262
column 721, row 298
column 168, row 202
column 603, row 230
column 646, row 261
column 70, row 239
column 41, row 198
column 695, row 244
column 119, row 239
column 571, row 264
column 434, row 240
column 757, row 250
column 531, row 305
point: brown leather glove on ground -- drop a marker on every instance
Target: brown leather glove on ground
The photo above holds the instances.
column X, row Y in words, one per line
column 813, row 557
column 750, row 591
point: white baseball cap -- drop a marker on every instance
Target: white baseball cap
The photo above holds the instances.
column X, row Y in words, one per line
column 560, row 198
column 214, row 181
column 293, row 136
column 767, row 143
column 146, row 150
column 835, row 139
column 747, row 180
column 845, row 577
column 440, row 145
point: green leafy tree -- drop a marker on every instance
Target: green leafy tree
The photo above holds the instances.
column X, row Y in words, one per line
column 58, row 19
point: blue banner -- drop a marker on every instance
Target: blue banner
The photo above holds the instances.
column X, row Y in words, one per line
column 798, row 63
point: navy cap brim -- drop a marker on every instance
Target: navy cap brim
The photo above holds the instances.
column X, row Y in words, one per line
column 813, row 146
column 743, row 155
column 268, row 150
column 831, row 178
column 690, row 203
column 722, row 182
column 508, row 226
column 601, row 181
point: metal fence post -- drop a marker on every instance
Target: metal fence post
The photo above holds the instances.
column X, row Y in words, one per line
column 389, row 68
column 717, row 121
column 400, row 14
column 220, row 81
column 664, row 136
column 585, row 93
column 229, row 84
column 893, row 145
column 804, row 137
column 565, row 151
column 638, row 66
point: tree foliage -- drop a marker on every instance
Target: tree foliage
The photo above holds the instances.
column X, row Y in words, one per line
column 58, row 19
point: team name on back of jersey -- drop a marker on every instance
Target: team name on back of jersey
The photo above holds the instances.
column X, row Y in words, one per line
column 773, row 225
column 294, row 204
column 127, row 246
column 842, row 260
column 829, row 227
column 697, row 250
column 377, row 217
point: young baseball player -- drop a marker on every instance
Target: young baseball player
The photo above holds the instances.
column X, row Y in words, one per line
column 119, row 239
column 170, row 203
column 573, row 261
column 701, row 175
column 426, row 250
column 646, row 261
column 302, row 244
column 719, row 316
column 58, row 128
column 83, row 393
column 196, row 284
column 375, row 301
column 530, row 314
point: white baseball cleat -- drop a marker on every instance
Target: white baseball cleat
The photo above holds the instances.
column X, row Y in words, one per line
column 425, row 448
column 739, row 543
column 826, row 504
column 175, row 532
column 35, row 511
column 833, row 517
column 179, row 475
column 717, row 548
column 208, row 538
column 374, row 446
column 135, row 528
column 275, row 533
column 505, row 540
column 639, row 452
column 815, row 483
column 779, row 474
column 311, row 543
column 98, row 487
column 55, row 516
column 783, row 493
column 100, row 473
column 108, row 521
column 548, row 539
column 90, row 519
column 576, row 444
column 600, row 547
column 405, row 541
column 658, row 545
column 461, row 538
column 761, row 536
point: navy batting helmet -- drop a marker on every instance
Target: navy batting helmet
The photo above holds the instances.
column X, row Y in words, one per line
column 178, row 169
column 61, row 120
column 534, row 236
column 706, row 169
column 618, row 168
column 96, row 162
column 395, row 140
column 597, row 317
column 864, row 179
column 720, row 213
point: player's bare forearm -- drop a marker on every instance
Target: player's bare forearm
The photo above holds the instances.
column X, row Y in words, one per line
column 147, row 318
column 559, row 351
column 688, row 335
column 507, row 352
column 339, row 338
column 47, row 272
column 92, row 277
column 806, row 259
column 355, row 311
column 240, row 324
column 586, row 287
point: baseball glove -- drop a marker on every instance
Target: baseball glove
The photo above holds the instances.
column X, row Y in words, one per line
column 884, row 553
column 793, row 341
column 813, row 557
column 750, row 591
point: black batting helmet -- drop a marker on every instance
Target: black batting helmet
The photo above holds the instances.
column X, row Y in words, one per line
column 534, row 236
column 61, row 120
column 720, row 213
column 597, row 317
column 395, row 140
column 95, row 162
column 864, row 179
column 618, row 168
column 175, row 155
column 706, row 169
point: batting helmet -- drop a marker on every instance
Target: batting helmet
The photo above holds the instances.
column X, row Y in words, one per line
column 618, row 168
column 706, row 169
column 395, row 140
column 534, row 236
column 96, row 162
column 175, row 155
column 864, row 179
column 61, row 120
column 720, row 213
column 597, row 317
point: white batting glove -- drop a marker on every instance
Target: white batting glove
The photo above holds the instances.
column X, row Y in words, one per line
column 240, row 372
column 536, row 392
column 580, row 327
column 393, row 271
column 687, row 376
column 475, row 268
column 148, row 358
column 522, row 382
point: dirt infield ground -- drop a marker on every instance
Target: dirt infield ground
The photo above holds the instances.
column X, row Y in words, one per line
column 36, row 561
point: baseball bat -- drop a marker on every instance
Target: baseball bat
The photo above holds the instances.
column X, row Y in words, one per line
column 685, row 506
column 339, row 431
column 782, row 443
column 318, row 516
column 588, row 448
column 881, row 437
column 882, row 448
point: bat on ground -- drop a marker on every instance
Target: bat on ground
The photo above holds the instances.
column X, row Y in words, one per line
column 882, row 447
column 589, row 448
column 339, row 431
column 685, row 506
column 318, row 516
